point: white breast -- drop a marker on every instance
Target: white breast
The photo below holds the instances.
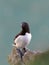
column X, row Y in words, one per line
column 22, row 41
column 27, row 38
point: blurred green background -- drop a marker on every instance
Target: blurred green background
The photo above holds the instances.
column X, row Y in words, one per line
column 12, row 13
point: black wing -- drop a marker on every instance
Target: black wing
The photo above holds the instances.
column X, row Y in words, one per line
column 17, row 36
column 21, row 33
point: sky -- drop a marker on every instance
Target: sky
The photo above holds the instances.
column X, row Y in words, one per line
column 12, row 13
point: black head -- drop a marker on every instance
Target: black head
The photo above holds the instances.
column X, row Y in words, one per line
column 25, row 27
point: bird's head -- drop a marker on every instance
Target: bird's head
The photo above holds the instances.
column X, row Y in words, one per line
column 25, row 27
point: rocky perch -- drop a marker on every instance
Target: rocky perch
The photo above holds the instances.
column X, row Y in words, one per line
column 29, row 57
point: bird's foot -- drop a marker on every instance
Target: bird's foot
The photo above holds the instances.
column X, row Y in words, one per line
column 24, row 50
column 20, row 52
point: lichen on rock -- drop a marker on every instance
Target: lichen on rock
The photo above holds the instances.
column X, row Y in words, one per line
column 15, row 59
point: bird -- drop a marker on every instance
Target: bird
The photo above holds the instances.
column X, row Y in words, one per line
column 23, row 38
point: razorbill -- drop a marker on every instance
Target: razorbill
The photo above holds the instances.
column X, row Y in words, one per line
column 22, row 39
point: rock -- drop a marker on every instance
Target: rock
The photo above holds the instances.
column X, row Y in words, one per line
column 15, row 59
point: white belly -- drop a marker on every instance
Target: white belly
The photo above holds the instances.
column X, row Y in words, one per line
column 22, row 41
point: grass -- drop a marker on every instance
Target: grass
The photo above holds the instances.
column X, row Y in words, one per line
column 40, row 59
